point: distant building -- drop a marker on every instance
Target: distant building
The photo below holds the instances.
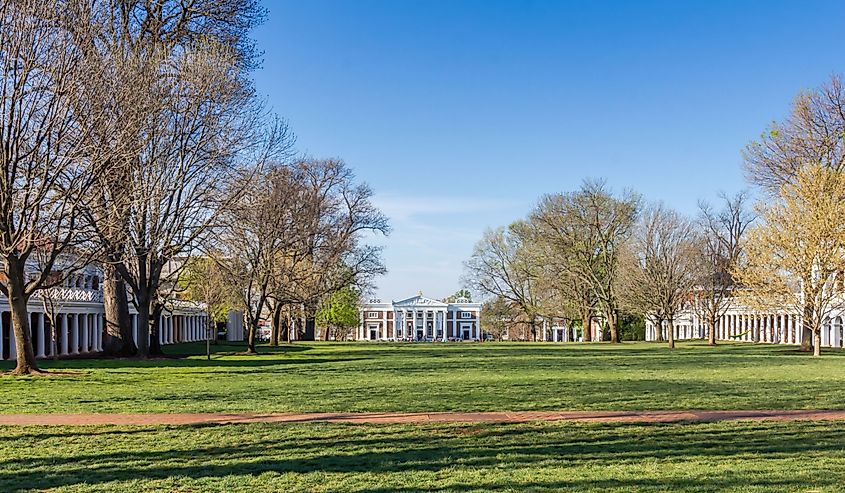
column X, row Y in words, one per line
column 419, row 319
column 78, row 312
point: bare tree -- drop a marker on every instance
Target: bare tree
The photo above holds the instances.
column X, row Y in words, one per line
column 296, row 237
column 814, row 132
column 45, row 177
column 664, row 264
column 588, row 228
column 329, row 252
column 151, row 59
column 566, row 252
column 257, row 232
column 720, row 247
column 502, row 266
column 638, row 293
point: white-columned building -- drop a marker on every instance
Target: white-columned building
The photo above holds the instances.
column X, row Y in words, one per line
column 78, row 311
column 743, row 324
column 419, row 319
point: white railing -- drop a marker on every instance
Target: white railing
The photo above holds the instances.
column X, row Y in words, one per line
column 72, row 294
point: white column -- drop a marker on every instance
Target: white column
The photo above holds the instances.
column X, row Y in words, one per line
column 13, row 350
column 94, row 331
column 64, row 332
column 161, row 329
column 39, row 328
column 101, row 325
column 195, row 332
column 86, row 333
column 782, row 334
column 74, row 333
column 135, row 328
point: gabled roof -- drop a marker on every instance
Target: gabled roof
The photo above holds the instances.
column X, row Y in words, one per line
column 419, row 300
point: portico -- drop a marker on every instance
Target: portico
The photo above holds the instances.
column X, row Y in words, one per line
column 420, row 318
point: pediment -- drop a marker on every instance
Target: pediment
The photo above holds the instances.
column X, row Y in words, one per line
column 418, row 301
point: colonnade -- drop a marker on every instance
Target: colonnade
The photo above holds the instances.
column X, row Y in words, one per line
column 84, row 332
column 76, row 333
column 777, row 328
column 177, row 328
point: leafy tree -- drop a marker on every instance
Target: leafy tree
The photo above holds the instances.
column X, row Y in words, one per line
column 461, row 294
column 339, row 312
column 203, row 281
column 795, row 258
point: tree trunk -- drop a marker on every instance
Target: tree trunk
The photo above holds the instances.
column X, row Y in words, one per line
column 155, row 328
column 25, row 355
column 54, row 343
column 613, row 323
column 586, row 321
column 274, row 331
column 659, row 329
column 119, row 340
column 806, row 330
column 671, row 331
column 285, row 334
column 143, row 329
column 711, row 337
column 310, row 329
column 250, row 339
column 817, row 343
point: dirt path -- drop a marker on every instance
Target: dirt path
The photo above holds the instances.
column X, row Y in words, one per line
column 444, row 417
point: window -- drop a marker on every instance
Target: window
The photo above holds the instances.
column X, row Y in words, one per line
column 372, row 314
column 466, row 314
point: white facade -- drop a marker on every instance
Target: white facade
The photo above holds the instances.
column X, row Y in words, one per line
column 419, row 319
column 744, row 325
column 77, row 308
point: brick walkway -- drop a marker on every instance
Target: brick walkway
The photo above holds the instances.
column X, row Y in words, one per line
column 444, row 417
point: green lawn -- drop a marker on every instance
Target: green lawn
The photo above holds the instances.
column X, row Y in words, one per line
column 441, row 377
column 738, row 456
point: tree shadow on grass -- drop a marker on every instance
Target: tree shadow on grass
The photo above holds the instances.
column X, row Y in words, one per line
column 558, row 449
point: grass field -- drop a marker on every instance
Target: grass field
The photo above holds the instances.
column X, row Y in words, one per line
column 451, row 458
column 441, row 377
column 728, row 456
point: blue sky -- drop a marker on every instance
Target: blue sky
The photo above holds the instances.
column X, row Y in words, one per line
column 461, row 114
